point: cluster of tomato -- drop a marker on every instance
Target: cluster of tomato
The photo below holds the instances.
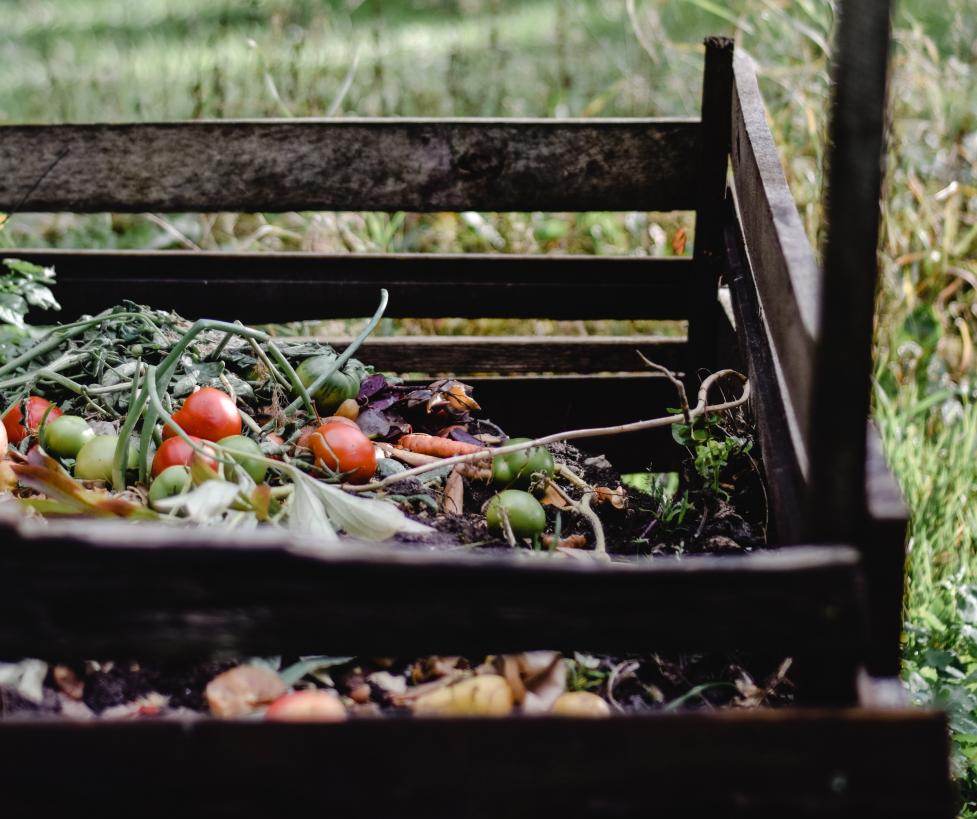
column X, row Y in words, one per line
column 208, row 416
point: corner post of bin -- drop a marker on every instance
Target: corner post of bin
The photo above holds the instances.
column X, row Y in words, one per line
column 708, row 254
column 841, row 397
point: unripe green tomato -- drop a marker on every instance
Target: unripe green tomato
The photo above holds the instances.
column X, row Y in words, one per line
column 65, row 436
column 517, row 468
column 338, row 387
column 526, row 516
column 240, row 447
column 174, row 480
column 94, row 460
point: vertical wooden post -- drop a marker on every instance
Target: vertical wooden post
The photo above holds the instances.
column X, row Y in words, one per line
column 843, row 366
column 717, row 91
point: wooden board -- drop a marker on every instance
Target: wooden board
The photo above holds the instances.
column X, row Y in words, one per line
column 277, row 287
column 844, row 365
column 74, row 592
column 459, row 355
column 784, row 458
column 350, row 164
column 704, row 309
column 883, row 539
column 780, row 255
column 815, row 764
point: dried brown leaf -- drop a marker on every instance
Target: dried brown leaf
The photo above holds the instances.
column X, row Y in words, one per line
column 453, row 501
column 552, row 497
column 568, row 542
column 615, row 497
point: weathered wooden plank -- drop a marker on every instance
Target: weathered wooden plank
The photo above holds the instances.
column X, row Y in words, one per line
column 350, row 164
column 882, row 538
column 178, row 593
column 843, row 366
column 275, row 287
column 818, row 763
column 460, row 355
column 787, row 489
column 787, row 277
column 714, row 139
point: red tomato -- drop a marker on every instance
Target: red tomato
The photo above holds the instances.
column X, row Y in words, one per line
column 307, row 432
column 209, row 414
column 177, row 452
column 36, row 407
column 343, row 448
column 169, row 432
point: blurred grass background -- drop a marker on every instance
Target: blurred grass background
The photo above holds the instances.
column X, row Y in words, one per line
column 80, row 60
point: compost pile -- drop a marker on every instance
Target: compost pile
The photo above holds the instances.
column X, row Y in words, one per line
column 141, row 415
column 331, row 689
column 138, row 413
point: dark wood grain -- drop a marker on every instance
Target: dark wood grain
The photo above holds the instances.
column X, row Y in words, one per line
column 843, row 366
column 510, row 355
column 787, row 277
column 348, row 164
column 816, row 764
column 787, row 489
column 714, row 138
column 177, row 594
column 276, row 287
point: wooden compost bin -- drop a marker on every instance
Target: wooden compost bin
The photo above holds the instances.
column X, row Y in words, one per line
column 830, row 597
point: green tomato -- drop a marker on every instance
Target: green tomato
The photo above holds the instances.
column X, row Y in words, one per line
column 240, row 447
column 94, row 460
column 65, row 436
column 174, row 480
column 517, row 468
column 526, row 516
column 337, row 388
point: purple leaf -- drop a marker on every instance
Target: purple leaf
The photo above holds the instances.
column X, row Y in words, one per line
column 371, row 386
column 373, row 423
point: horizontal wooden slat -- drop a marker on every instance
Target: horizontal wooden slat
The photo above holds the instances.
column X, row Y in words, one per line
column 179, row 593
column 787, row 276
column 350, row 164
column 458, row 355
column 274, row 287
column 843, row 764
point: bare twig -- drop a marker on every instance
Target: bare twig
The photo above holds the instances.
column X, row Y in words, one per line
column 701, row 409
column 679, row 386
column 582, row 507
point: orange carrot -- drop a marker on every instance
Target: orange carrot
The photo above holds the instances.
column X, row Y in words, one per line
column 439, row 447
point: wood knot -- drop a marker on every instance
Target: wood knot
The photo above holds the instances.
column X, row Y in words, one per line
column 479, row 163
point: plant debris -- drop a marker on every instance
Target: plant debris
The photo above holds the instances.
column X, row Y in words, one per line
column 209, row 423
column 331, row 689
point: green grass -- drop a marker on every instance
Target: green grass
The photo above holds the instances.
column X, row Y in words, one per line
column 76, row 60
